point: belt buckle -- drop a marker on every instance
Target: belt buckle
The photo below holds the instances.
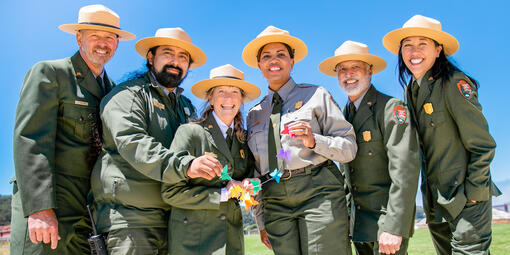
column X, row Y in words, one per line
column 290, row 175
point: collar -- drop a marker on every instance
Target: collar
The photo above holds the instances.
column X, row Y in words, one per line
column 223, row 127
column 284, row 90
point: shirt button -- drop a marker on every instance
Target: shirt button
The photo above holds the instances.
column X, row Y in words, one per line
column 432, row 123
column 185, row 221
column 456, row 182
column 358, row 207
column 352, row 170
column 81, row 118
column 370, row 153
column 354, row 188
column 223, row 217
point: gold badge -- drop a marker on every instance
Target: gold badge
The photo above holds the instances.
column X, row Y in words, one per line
column 367, row 136
column 428, row 108
column 78, row 74
column 159, row 105
column 298, row 105
column 210, row 126
column 369, row 102
column 210, row 154
column 81, row 103
column 242, row 153
column 430, row 78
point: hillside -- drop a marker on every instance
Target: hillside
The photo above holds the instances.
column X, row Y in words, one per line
column 5, row 210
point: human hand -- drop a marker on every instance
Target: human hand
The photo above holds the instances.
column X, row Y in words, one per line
column 248, row 186
column 231, row 184
column 205, row 166
column 389, row 243
column 43, row 226
column 264, row 239
column 302, row 131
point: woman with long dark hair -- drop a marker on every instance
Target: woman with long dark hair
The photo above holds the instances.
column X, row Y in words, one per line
column 204, row 220
column 455, row 140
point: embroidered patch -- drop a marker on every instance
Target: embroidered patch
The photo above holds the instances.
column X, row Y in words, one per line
column 400, row 114
column 159, row 105
column 298, row 105
column 210, row 126
column 81, row 103
column 367, row 136
column 187, row 111
column 241, row 151
column 428, row 108
column 464, row 89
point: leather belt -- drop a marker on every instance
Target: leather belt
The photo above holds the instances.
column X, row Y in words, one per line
column 287, row 174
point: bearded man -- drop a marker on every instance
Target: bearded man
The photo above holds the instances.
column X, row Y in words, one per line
column 383, row 178
column 140, row 118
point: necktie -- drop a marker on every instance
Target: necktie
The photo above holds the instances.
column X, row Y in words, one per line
column 351, row 113
column 172, row 98
column 414, row 92
column 274, row 144
column 100, row 82
column 229, row 138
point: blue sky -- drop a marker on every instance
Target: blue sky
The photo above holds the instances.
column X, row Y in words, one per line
column 222, row 28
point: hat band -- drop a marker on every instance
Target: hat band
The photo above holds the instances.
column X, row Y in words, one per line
column 98, row 24
column 225, row 76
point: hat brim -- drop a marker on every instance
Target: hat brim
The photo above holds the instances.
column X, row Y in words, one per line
column 251, row 92
column 328, row 66
column 197, row 55
column 251, row 50
column 392, row 39
column 73, row 28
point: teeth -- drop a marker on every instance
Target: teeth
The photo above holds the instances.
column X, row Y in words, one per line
column 101, row 51
column 228, row 106
column 274, row 68
column 416, row 60
column 351, row 81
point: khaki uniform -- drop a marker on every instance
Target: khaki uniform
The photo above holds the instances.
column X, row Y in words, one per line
column 384, row 174
column 305, row 214
column 457, row 149
column 199, row 222
column 54, row 153
column 138, row 128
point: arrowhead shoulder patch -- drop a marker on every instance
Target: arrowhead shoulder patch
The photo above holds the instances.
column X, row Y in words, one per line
column 464, row 89
column 400, row 114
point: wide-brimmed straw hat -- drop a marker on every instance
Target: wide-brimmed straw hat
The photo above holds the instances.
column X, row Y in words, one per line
column 98, row 17
column 420, row 25
column 350, row 50
column 175, row 37
column 226, row 75
column 271, row 35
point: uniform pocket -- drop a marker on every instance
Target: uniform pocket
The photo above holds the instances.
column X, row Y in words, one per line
column 78, row 120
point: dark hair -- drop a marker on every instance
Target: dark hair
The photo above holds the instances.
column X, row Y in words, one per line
column 238, row 119
column 443, row 68
column 153, row 51
column 291, row 51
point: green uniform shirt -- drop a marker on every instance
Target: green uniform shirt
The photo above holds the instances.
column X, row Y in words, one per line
column 200, row 223
column 384, row 174
column 138, row 127
column 456, row 145
column 58, row 107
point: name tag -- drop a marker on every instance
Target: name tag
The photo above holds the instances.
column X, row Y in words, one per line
column 81, row 103
column 187, row 111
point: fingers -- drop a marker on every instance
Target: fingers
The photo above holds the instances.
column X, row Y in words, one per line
column 302, row 130
column 43, row 227
column 54, row 239
column 206, row 167
column 264, row 239
column 33, row 235
column 389, row 243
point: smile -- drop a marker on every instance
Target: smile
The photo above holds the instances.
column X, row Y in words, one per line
column 274, row 68
column 416, row 61
column 227, row 106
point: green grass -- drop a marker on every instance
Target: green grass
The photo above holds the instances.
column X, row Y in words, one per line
column 419, row 244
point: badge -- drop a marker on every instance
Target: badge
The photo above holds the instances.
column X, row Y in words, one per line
column 159, row 105
column 400, row 114
column 81, row 103
column 186, row 110
column 464, row 89
column 428, row 108
column 430, row 78
column 369, row 102
column 367, row 136
column 256, row 123
column 298, row 105
column 241, row 151
column 210, row 154
column 78, row 74
column 210, row 126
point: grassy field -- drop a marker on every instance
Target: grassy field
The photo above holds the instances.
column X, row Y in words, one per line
column 419, row 244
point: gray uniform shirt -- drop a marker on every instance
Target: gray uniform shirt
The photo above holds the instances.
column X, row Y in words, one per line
column 334, row 136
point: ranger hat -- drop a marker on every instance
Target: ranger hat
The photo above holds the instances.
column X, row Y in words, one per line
column 175, row 37
column 98, row 17
column 226, row 75
column 272, row 35
column 420, row 25
column 350, row 50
